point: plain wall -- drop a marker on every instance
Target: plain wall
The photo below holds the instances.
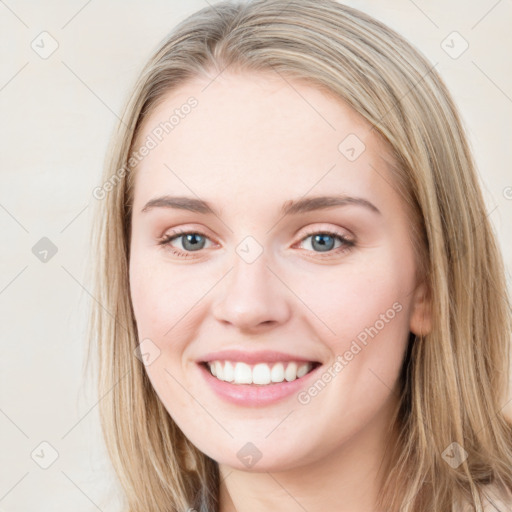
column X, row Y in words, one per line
column 57, row 115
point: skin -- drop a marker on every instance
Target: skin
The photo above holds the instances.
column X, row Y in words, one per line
column 253, row 143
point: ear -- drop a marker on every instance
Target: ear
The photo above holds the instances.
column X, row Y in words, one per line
column 420, row 322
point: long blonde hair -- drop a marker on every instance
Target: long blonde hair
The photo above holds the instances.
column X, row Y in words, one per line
column 454, row 380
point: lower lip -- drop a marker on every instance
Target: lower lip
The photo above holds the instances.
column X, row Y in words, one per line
column 252, row 395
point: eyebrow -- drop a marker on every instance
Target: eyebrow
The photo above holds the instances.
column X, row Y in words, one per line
column 292, row 207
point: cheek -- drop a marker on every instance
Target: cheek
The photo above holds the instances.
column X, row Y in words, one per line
column 159, row 299
column 354, row 301
column 365, row 318
column 168, row 305
column 160, row 307
column 368, row 313
column 144, row 290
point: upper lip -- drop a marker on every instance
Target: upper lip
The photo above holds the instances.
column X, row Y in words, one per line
column 262, row 356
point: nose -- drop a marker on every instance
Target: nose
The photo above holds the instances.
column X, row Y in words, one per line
column 251, row 297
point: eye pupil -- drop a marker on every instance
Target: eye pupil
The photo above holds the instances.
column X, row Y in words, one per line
column 324, row 246
column 192, row 238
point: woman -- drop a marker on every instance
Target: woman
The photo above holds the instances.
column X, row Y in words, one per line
column 301, row 299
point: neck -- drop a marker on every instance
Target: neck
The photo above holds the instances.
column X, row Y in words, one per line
column 347, row 480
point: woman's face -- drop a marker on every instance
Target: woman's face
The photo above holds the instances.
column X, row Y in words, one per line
column 297, row 259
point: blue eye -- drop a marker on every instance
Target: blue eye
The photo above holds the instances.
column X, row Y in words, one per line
column 193, row 241
column 322, row 241
column 325, row 241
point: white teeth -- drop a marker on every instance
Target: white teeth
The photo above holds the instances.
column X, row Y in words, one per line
column 229, row 372
column 303, row 369
column 243, row 374
column 277, row 373
column 219, row 370
column 291, row 372
column 260, row 373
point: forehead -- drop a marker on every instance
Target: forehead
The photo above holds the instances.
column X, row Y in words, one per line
column 253, row 134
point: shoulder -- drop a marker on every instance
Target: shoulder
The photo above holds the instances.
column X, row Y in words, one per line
column 494, row 499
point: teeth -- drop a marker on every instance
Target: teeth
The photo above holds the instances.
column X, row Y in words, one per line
column 243, row 374
column 291, row 372
column 277, row 373
column 260, row 373
column 219, row 370
column 302, row 370
column 229, row 372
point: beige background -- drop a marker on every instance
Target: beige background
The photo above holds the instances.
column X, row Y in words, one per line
column 57, row 115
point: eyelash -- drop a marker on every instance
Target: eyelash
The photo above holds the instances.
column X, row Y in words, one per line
column 347, row 244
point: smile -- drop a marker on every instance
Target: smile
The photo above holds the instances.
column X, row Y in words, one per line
column 259, row 373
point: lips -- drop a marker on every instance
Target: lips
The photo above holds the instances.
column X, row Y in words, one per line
column 266, row 356
column 257, row 368
column 253, row 394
